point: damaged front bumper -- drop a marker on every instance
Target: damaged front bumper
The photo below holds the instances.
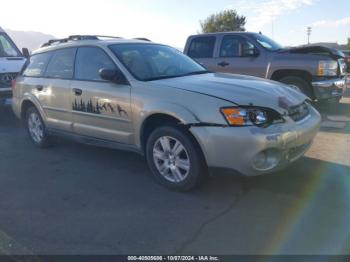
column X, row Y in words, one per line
column 329, row 88
column 254, row 150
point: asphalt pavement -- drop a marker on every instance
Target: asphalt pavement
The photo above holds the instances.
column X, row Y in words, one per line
column 79, row 199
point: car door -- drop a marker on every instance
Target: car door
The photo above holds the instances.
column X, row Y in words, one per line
column 239, row 56
column 101, row 109
column 48, row 77
column 202, row 49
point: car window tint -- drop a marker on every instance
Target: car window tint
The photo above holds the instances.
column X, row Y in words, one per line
column 37, row 64
column 89, row 61
column 230, row 46
column 61, row 64
column 202, row 47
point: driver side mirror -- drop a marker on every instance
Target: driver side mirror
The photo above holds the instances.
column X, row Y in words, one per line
column 246, row 50
column 25, row 52
column 112, row 75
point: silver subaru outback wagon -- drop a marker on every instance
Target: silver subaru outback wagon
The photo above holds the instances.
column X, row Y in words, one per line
column 152, row 99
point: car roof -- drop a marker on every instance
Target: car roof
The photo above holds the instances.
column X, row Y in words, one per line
column 1, row 30
column 95, row 42
column 225, row 33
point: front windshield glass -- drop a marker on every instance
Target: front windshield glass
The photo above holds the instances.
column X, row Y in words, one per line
column 148, row 62
column 7, row 47
column 268, row 43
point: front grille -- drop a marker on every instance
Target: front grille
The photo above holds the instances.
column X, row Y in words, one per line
column 299, row 112
column 6, row 79
column 341, row 67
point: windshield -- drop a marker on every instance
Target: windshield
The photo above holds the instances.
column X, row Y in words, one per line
column 268, row 43
column 7, row 47
column 148, row 62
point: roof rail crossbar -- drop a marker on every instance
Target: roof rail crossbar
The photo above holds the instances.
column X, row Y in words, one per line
column 76, row 38
column 52, row 41
column 143, row 39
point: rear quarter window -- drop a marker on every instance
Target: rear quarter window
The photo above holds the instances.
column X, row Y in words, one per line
column 37, row 65
column 61, row 64
column 202, row 47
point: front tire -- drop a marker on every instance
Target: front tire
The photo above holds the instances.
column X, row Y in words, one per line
column 175, row 158
column 298, row 82
column 36, row 129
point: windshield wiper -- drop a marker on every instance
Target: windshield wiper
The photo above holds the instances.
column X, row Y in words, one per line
column 160, row 77
column 197, row 73
column 174, row 76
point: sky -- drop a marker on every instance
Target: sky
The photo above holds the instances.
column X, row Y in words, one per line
column 172, row 21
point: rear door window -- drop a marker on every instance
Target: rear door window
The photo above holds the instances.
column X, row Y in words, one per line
column 89, row 61
column 202, row 47
column 61, row 64
column 37, row 65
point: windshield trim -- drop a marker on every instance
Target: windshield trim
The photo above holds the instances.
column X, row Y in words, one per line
column 14, row 46
column 148, row 79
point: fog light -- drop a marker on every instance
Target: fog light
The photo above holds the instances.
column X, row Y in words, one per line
column 267, row 159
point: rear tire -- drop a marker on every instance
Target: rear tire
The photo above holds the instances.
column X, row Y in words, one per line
column 36, row 128
column 298, row 82
column 175, row 159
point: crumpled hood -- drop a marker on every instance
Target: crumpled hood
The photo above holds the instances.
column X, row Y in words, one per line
column 314, row 49
column 239, row 89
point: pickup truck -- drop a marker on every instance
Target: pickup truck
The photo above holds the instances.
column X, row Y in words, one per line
column 11, row 63
column 317, row 71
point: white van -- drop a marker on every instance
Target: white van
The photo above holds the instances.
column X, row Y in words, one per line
column 11, row 63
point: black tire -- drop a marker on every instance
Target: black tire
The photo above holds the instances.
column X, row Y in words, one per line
column 43, row 141
column 197, row 167
column 299, row 82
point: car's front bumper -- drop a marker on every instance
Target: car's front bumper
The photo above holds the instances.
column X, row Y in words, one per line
column 241, row 148
column 329, row 88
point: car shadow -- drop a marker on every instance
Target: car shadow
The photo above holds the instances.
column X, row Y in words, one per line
column 333, row 109
column 7, row 118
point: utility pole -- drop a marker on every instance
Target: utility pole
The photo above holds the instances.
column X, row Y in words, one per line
column 308, row 32
column 272, row 28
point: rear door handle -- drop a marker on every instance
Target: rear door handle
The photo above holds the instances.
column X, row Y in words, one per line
column 39, row 87
column 77, row 91
column 223, row 64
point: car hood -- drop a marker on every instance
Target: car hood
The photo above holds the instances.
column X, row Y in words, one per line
column 11, row 64
column 239, row 89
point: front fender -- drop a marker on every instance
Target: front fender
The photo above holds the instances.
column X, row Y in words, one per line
column 183, row 114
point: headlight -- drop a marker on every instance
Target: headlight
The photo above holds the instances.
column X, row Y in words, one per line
column 247, row 116
column 327, row 68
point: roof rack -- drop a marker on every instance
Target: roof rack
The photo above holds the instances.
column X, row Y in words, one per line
column 142, row 38
column 76, row 38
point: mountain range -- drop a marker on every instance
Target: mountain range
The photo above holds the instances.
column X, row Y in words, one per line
column 29, row 39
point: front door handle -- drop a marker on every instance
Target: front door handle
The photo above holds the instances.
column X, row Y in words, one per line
column 223, row 64
column 77, row 91
column 39, row 87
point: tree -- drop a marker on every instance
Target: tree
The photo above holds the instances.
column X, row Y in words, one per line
column 227, row 20
column 348, row 44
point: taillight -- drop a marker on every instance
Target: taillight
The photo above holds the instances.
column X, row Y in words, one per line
column 13, row 84
column 347, row 59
